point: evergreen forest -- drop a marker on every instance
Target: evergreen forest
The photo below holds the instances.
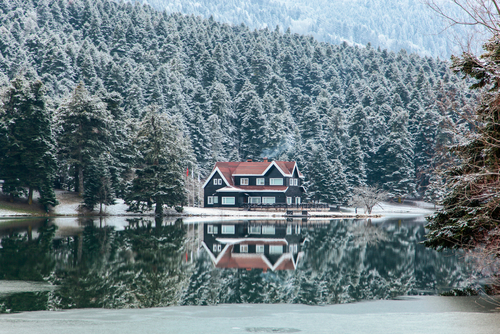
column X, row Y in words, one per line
column 109, row 91
column 390, row 24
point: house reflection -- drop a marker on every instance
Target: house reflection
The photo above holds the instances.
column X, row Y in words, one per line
column 268, row 245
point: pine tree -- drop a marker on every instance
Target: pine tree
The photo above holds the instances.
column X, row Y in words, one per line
column 355, row 164
column 98, row 185
column 394, row 169
column 158, row 178
column 27, row 144
column 84, row 131
column 253, row 130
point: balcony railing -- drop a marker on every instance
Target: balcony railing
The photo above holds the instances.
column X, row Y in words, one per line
column 302, row 206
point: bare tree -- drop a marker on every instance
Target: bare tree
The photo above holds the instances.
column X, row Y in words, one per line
column 480, row 15
column 470, row 216
column 367, row 197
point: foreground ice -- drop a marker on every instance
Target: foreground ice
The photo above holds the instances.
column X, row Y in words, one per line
column 453, row 315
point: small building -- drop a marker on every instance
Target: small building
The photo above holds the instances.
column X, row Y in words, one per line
column 267, row 246
column 235, row 184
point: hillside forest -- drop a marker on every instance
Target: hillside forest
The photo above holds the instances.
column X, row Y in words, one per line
column 391, row 24
column 119, row 100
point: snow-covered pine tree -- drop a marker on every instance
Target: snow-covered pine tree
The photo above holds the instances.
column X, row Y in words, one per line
column 98, row 184
column 356, row 172
column 394, row 162
column 84, row 125
column 159, row 177
column 253, row 130
column 27, row 143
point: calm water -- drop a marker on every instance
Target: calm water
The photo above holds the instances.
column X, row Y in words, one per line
column 119, row 263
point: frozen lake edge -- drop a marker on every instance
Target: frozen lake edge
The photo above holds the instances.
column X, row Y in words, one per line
column 412, row 314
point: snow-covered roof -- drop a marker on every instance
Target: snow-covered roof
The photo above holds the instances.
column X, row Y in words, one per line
column 228, row 170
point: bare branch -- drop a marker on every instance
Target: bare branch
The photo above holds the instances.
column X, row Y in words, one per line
column 367, row 197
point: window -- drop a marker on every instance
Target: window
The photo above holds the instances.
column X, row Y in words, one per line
column 276, row 249
column 217, row 248
column 244, row 181
column 268, row 230
column 228, row 200
column 294, row 182
column 219, row 181
column 227, row 229
column 216, row 182
column 255, row 200
column 254, row 230
column 297, row 229
column 268, row 200
column 289, row 229
column 212, row 229
column 289, row 200
column 259, row 248
column 212, row 199
column 276, row 182
column 243, row 248
column 260, row 181
column 293, row 249
column 297, row 200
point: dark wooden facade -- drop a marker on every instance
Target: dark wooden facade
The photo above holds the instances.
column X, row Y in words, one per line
column 289, row 192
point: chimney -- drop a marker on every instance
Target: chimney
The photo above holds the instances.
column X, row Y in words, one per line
column 265, row 160
column 249, row 160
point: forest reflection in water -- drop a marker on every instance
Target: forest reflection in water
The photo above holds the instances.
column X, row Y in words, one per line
column 143, row 262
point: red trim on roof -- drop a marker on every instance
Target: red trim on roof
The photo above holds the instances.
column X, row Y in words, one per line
column 254, row 168
column 245, row 168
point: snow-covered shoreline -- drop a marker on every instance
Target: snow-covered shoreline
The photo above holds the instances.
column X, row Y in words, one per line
column 70, row 208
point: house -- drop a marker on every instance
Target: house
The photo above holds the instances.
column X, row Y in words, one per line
column 267, row 246
column 234, row 184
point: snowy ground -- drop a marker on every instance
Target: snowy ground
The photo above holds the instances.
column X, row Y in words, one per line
column 412, row 315
column 69, row 203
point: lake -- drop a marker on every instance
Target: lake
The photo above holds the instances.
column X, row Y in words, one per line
column 250, row 276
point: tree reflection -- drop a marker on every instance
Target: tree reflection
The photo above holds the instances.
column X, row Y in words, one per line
column 25, row 258
column 345, row 261
column 145, row 265
column 140, row 266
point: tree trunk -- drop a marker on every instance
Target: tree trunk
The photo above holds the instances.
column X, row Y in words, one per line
column 159, row 206
column 80, row 169
column 30, row 196
column 100, row 208
column 80, row 180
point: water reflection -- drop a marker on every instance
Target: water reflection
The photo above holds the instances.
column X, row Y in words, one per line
column 143, row 262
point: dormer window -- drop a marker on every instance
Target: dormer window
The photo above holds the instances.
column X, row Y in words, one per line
column 217, row 182
column 276, row 181
column 260, row 181
column 294, row 182
column 244, row 181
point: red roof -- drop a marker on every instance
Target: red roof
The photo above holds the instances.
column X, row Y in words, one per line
column 246, row 168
